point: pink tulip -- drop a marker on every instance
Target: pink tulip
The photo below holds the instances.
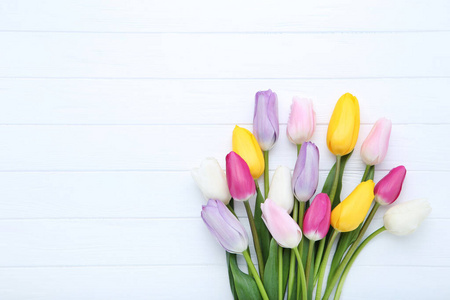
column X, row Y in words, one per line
column 375, row 146
column 283, row 228
column 317, row 218
column 302, row 121
column 389, row 187
column 239, row 179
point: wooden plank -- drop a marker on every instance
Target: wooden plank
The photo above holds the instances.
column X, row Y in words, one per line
column 128, row 55
column 140, row 101
column 154, row 194
column 184, row 241
column 201, row 282
column 232, row 16
column 90, row 148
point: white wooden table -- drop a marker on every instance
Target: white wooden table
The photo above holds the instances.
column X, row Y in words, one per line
column 105, row 106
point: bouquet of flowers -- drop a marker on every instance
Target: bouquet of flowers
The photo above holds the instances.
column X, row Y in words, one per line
column 293, row 232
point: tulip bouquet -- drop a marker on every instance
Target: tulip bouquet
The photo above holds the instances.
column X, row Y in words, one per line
column 293, row 231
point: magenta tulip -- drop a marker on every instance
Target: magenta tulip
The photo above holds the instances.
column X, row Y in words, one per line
column 266, row 126
column 283, row 228
column 302, row 121
column 227, row 229
column 239, row 179
column 375, row 146
column 306, row 172
column 389, row 187
column 317, row 218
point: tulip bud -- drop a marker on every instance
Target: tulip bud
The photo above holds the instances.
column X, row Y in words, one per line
column 348, row 214
column 283, row 228
column 389, row 187
column 404, row 218
column 212, row 181
column 375, row 146
column 227, row 229
column 306, row 172
column 239, row 179
column 245, row 144
column 302, row 121
column 317, row 218
column 265, row 119
column 344, row 125
column 281, row 189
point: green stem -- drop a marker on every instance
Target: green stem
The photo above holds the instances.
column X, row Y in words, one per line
column 252, row 268
column 300, row 215
column 292, row 261
column 332, row 196
column 231, row 209
column 255, row 239
column 352, row 260
column 350, row 252
column 266, row 174
column 336, row 179
column 280, row 273
column 366, row 172
column 299, row 146
column 308, row 261
column 301, row 274
column 323, row 265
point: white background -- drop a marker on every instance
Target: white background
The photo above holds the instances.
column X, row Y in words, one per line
column 107, row 105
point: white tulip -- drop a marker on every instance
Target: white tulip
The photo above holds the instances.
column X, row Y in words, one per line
column 211, row 180
column 404, row 218
column 281, row 189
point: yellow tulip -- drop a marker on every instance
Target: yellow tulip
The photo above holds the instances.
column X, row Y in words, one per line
column 246, row 145
column 344, row 125
column 352, row 211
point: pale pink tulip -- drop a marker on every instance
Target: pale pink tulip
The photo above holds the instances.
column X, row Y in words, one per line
column 302, row 121
column 375, row 146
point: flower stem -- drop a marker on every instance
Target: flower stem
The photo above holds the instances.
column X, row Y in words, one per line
column 301, row 274
column 350, row 252
column 292, row 261
column 252, row 268
column 352, row 260
column 308, row 261
column 366, row 172
column 255, row 239
column 280, row 273
column 323, row 265
column 332, row 196
column 299, row 146
column 266, row 174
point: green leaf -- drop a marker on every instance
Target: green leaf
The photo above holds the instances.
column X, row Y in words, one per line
column 245, row 285
column 271, row 271
column 286, row 261
column 230, row 257
column 263, row 233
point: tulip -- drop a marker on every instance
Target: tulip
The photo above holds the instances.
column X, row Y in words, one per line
column 344, row 125
column 212, row 181
column 375, row 146
column 240, row 181
column 302, row 121
column 245, row 144
column 283, row 228
column 348, row 214
column 389, row 187
column 281, row 189
column 317, row 218
column 306, row 172
column 227, row 229
column 266, row 127
column 404, row 218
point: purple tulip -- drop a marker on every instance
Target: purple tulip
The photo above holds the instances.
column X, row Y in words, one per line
column 265, row 119
column 227, row 229
column 317, row 218
column 389, row 187
column 239, row 179
column 306, row 172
